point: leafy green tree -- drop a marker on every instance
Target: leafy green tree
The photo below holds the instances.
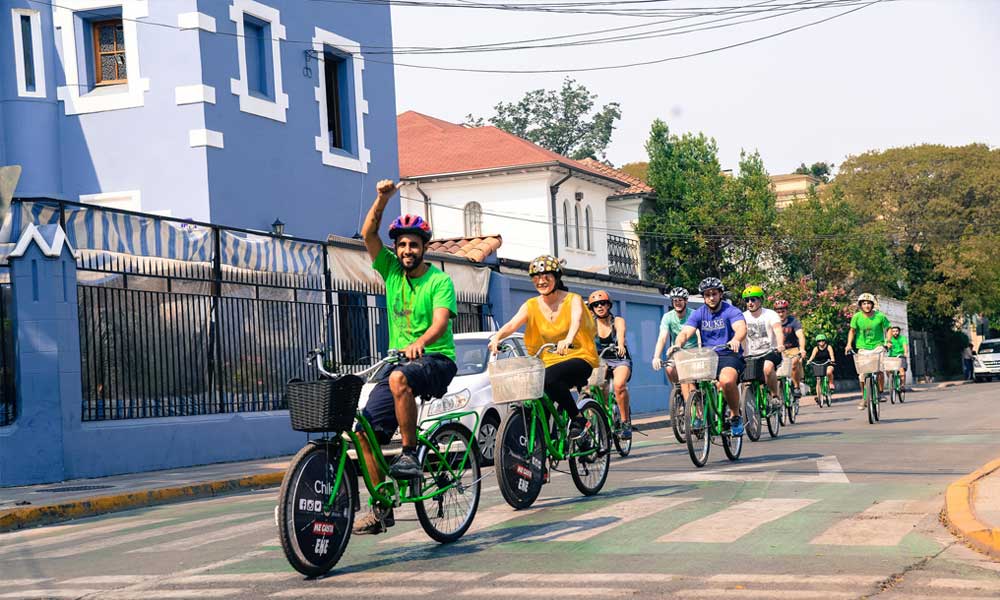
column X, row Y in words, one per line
column 560, row 120
column 819, row 170
column 639, row 170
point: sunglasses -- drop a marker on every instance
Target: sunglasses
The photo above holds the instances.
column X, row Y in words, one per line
column 600, row 303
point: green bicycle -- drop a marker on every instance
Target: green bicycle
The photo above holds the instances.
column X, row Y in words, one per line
column 535, row 431
column 755, row 402
column 319, row 494
column 785, row 383
column 868, row 365
column 708, row 418
column 823, row 389
column 891, row 365
column 600, row 389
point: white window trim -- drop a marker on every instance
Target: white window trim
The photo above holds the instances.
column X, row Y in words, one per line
column 269, row 109
column 131, row 94
column 588, row 216
column 566, row 236
column 36, row 52
column 196, row 20
column 320, row 39
column 125, row 200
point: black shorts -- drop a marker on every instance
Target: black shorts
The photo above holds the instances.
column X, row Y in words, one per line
column 731, row 360
column 773, row 356
column 429, row 375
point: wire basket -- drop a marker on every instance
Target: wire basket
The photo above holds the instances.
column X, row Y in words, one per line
column 599, row 375
column 754, row 370
column 324, row 405
column 819, row 370
column 785, row 368
column 868, row 363
column 892, row 363
column 697, row 364
column 517, row 379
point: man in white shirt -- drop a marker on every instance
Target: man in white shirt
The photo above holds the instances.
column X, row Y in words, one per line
column 764, row 337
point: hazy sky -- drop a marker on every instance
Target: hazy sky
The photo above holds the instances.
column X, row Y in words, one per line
column 896, row 73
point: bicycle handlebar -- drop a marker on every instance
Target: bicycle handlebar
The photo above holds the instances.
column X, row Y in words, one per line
column 614, row 348
column 316, row 356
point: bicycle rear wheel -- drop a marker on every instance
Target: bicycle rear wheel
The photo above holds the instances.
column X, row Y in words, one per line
column 623, row 446
column 452, row 473
column 774, row 417
column 892, row 390
column 751, row 414
column 826, row 392
column 520, row 473
column 590, row 471
column 678, row 412
column 791, row 402
column 314, row 537
column 732, row 444
column 699, row 440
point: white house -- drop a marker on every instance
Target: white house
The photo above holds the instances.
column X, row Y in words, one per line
column 475, row 181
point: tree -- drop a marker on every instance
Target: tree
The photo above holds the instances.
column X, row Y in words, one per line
column 639, row 170
column 558, row 120
column 819, row 170
column 702, row 222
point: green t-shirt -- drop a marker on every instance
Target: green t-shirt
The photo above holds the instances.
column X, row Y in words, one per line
column 672, row 323
column 899, row 344
column 411, row 304
column 870, row 331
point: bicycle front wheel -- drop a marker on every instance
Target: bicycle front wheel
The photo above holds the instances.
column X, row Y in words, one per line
column 791, row 403
column 678, row 412
column 451, row 473
column 900, row 393
column 590, row 471
column 732, row 444
column 314, row 531
column 871, row 398
column 697, row 433
column 520, row 472
column 751, row 414
column 774, row 417
column 826, row 392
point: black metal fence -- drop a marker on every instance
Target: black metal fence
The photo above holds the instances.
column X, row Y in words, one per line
column 219, row 329
column 8, row 396
column 623, row 257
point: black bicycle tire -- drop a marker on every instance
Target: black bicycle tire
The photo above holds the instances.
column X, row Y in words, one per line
column 677, row 415
column 502, row 462
column 790, row 406
column 694, row 397
column 877, row 404
column 732, row 445
column 867, row 394
column 748, row 400
column 624, row 447
column 290, row 543
column 901, row 392
column 600, row 421
column 421, row 509
column 774, row 417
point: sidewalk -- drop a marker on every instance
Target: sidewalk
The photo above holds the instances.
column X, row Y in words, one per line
column 972, row 509
column 31, row 506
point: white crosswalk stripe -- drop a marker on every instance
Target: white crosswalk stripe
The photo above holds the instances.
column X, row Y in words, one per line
column 71, row 534
column 543, row 592
column 352, row 592
column 178, row 594
column 733, row 522
column 26, row 582
column 715, row 593
column 992, row 585
column 201, row 525
column 884, row 524
column 51, row 593
column 632, row 578
column 825, row 469
column 226, row 533
column 780, row 579
column 585, row 526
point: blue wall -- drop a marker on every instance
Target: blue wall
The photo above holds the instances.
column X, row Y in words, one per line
column 650, row 391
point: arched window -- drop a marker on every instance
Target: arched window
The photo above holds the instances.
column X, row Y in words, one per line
column 566, row 223
column 473, row 219
column 576, row 224
column 589, row 232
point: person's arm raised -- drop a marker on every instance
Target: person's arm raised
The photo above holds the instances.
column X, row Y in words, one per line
column 369, row 231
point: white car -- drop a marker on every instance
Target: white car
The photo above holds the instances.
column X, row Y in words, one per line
column 469, row 391
column 986, row 362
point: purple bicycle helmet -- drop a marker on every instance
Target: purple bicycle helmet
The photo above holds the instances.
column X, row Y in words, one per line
column 414, row 224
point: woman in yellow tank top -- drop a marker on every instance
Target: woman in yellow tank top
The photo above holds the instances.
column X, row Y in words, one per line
column 556, row 316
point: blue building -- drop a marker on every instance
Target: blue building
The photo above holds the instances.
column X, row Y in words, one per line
column 234, row 112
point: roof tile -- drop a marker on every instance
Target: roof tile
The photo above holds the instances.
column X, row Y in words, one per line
column 476, row 249
column 636, row 185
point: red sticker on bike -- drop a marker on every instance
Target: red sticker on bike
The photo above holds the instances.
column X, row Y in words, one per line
column 523, row 471
column 321, row 528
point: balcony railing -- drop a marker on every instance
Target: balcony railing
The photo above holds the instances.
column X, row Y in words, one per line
column 623, row 257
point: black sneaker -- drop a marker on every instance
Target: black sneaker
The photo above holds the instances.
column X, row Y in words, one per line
column 406, row 466
column 576, row 427
column 375, row 522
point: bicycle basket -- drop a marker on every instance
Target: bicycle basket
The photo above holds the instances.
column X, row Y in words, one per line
column 697, row 364
column 754, row 370
column 819, row 370
column 599, row 375
column 785, row 368
column 516, row 379
column 323, row 405
column 892, row 363
column 868, row 363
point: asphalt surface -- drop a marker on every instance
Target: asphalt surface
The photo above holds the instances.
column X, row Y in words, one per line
column 832, row 508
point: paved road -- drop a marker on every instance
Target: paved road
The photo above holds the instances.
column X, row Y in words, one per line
column 833, row 508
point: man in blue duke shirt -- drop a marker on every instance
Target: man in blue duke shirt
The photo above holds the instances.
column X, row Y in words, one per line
column 723, row 328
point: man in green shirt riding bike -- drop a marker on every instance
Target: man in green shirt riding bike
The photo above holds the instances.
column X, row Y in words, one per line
column 869, row 327
column 898, row 345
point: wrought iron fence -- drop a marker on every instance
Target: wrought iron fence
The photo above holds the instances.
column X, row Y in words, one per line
column 623, row 257
column 221, row 325
column 8, row 395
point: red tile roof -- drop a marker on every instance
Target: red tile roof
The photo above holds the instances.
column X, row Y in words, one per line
column 429, row 146
column 636, row 185
column 475, row 249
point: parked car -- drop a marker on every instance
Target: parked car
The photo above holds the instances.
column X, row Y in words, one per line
column 986, row 362
column 469, row 391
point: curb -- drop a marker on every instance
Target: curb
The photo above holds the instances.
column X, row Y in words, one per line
column 31, row 516
column 961, row 518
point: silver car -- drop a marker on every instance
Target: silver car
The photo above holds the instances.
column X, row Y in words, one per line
column 469, row 391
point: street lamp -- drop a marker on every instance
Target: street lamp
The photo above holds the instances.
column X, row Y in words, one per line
column 278, row 228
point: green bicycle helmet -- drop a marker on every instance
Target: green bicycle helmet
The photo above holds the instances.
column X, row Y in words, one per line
column 821, row 338
column 753, row 291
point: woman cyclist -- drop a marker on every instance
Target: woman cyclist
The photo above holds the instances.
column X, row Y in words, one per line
column 556, row 316
column 611, row 334
column 824, row 351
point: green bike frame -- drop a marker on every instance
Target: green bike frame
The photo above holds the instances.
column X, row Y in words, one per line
column 715, row 405
column 607, row 402
column 390, row 493
column 759, row 391
column 541, row 410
